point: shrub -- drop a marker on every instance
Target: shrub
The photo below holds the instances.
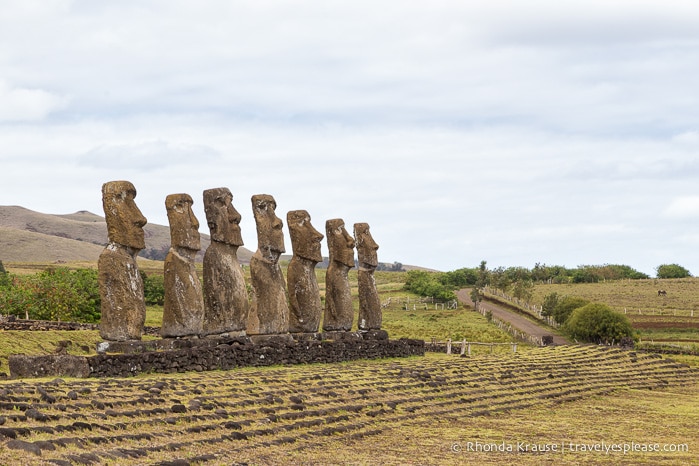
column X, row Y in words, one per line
column 153, row 289
column 598, row 323
column 560, row 308
column 425, row 283
column 53, row 294
column 672, row 271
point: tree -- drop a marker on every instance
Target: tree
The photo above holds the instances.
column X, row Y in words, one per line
column 425, row 283
column 672, row 271
column 565, row 306
column 459, row 278
column 522, row 289
column 548, row 306
column 598, row 323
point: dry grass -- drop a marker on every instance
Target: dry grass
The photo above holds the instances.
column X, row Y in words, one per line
column 400, row 411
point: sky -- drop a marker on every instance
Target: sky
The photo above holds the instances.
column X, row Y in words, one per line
column 515, row 132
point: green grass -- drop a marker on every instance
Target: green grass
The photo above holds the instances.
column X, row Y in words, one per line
column 661, row 317
column 83, row 342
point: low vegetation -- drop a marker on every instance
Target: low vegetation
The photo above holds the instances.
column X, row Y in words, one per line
column 407, row 411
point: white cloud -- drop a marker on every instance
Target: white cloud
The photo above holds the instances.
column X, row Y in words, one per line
column 513, row 132
column 148, row 155
column 23, row 104
column 683, row 207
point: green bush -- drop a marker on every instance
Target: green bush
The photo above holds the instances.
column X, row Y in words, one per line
column 53, row 294
column 672, row 271
column 425, row 283
column 560, row 308
column 598, row 323
column 153, row 289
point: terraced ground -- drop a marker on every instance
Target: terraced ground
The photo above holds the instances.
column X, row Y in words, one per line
column 399, row 411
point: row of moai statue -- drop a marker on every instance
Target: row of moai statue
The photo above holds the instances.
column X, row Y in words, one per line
column 220, row 306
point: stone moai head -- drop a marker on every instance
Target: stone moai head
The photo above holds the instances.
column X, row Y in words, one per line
column 366, row 246
column 223, row 219
column 305, row 240
column 270, row 236
column 340, row 243
column 184, row 226
column 124, row 220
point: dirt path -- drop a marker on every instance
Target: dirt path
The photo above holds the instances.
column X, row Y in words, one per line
column 517, row 321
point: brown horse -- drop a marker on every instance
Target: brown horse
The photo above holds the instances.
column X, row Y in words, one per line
column 662, row 293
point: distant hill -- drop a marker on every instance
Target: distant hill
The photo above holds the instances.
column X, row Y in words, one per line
column 28, row 236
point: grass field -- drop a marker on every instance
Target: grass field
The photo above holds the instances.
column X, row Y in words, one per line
column 669, row 319
column 400, row 411
column 435, row 409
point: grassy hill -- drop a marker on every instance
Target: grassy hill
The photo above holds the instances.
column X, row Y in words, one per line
column 28, row 236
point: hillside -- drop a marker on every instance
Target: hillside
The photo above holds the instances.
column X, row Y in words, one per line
column 29, row 236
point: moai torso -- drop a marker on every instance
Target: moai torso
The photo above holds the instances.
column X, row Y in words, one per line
column 339, row 312
column 269, row 313
column 305, row 308
column 369, row 303
column 123, row 306
column 183, row 309
column 225, row 295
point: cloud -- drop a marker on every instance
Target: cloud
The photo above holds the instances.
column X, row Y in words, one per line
column 23, row 104
column 150, row 155
column 683, row 207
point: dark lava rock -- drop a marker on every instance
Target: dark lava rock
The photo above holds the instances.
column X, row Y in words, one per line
column 178, row 408
column 23, row 446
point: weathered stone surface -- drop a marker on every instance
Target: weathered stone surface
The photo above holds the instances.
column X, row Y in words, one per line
column 269, row 313
column 226, row 304
column 339, row 313
column 305, row 308
column 123, row 305
column 183, row 309
column 369, row 303
column 64, row 365
column 271, row 350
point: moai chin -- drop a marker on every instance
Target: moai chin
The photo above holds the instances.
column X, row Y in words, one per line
column 225, row 295
column 269, row 313
column 369, row 303
column 183, row 309
column 305, row 308
column 123, row 305
column 339, row 313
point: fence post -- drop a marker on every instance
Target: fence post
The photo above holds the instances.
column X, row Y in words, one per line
column 469, row 349
column 463, row 347
column 514, row 347
column 449, row 346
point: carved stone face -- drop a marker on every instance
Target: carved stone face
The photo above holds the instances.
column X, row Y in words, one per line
column 305, row 240
column 184, row 226
column 270, row 236
column 124, row 219
column 223, row 219
column 340, row 243
column 366, row 246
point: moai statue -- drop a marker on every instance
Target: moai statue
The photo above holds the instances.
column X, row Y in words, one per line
column 305, row 308
column 225, row 296
column 369, row 303
column 339, row 313
column 121, row 287
column 183, row 309
column 269, row 313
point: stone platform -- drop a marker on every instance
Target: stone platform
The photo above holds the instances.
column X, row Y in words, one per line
column 124, row 359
